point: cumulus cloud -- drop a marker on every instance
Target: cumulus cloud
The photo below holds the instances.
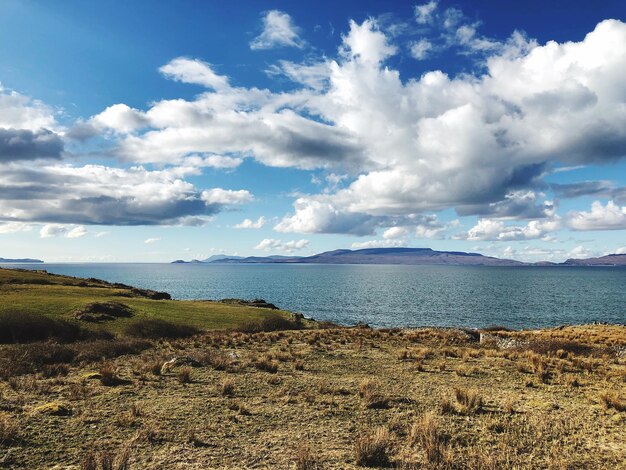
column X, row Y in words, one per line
column 249, row 223
column 58, row 230
column 366, row 44
column 14, row 227
column 120, row 118
column 28, row 129
column 21, row 112
column 479, row 143
column 271, row 244
column 186, row 70
column 278, row 31
column 600, row 217
column 150, row 241
column 379, row 244
column 420, row 49
column 395, row 232
column 24, row 144
column 497, row 230
column 424, row 13
column 100, row 195
column 581, row 252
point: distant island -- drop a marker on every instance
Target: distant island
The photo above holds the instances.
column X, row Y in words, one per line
column 20, row 260
column 407, row 256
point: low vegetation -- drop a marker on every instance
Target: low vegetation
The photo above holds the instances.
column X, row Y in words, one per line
column 303, row 398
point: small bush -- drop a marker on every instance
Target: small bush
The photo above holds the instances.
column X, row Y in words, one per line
column 23, row 327
column 227, row 387
column 612, row 400
column 267, row 365
column 469, row 400
column 370, row 393
column 154, row 328
column 9, row 429
column 23, row 359
column 108, row 376
column 305, row 459
column 102, row 349
column 271, row 322
column 426, row 432
column 184, row 375
column 215, row 358
column 372, row 449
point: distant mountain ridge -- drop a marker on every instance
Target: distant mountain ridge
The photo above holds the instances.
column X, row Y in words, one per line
column 378, row 256
column 20, row 260
column 608, row 260
column 406, row 256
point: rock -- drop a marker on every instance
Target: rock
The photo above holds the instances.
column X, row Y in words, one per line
column 260, row 303
column 179, row 361
column 53, row 408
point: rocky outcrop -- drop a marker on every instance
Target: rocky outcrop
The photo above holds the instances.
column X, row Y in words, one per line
column 260, row 303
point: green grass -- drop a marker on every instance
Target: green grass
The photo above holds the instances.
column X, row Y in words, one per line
column 61, row 296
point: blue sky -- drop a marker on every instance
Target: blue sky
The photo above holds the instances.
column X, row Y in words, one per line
column 151, row 131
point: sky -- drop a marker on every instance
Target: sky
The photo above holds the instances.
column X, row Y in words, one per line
column 150, row 131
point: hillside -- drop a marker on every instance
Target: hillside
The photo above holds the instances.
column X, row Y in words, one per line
column 42, row 293
column 20, row 260
column 608, row 260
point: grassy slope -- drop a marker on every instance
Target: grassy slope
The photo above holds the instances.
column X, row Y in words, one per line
column 61, row 296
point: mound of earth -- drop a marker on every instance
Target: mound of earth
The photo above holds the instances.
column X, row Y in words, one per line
column 104, row 311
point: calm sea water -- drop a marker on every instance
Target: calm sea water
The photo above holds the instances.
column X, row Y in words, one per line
column 392, row 295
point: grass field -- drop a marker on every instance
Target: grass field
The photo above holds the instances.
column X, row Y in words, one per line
column 61, row 297
column 338, row 398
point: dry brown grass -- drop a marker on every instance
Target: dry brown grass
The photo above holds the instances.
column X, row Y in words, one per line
column 184, row 375
column 306, row 458
column 611, row 400
column 468, row 401
column 227, row 387
column 373, row 448
column 324, row 405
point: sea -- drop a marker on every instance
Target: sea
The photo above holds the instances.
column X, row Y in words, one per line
column 391, row 295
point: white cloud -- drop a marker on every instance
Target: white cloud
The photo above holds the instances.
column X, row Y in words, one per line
column 480, row 144
column 271, row 244
column 14, row 227
column 379, row 244
column 608, row 217
column 420, row 49
column 424, row 13
column 101, row 234
column 150, row 241
column 249, row 223
column 21, row 112
column 52, row 230
column 77, row 232
column 497, row 230
column 581, row 252
column 278, row 31
column 120, row 118
column 186, row 70
column 395, row 232
column 366, row 44
column 226, row 196
column 620, row 251
column 67, row 231
column 100, row 195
